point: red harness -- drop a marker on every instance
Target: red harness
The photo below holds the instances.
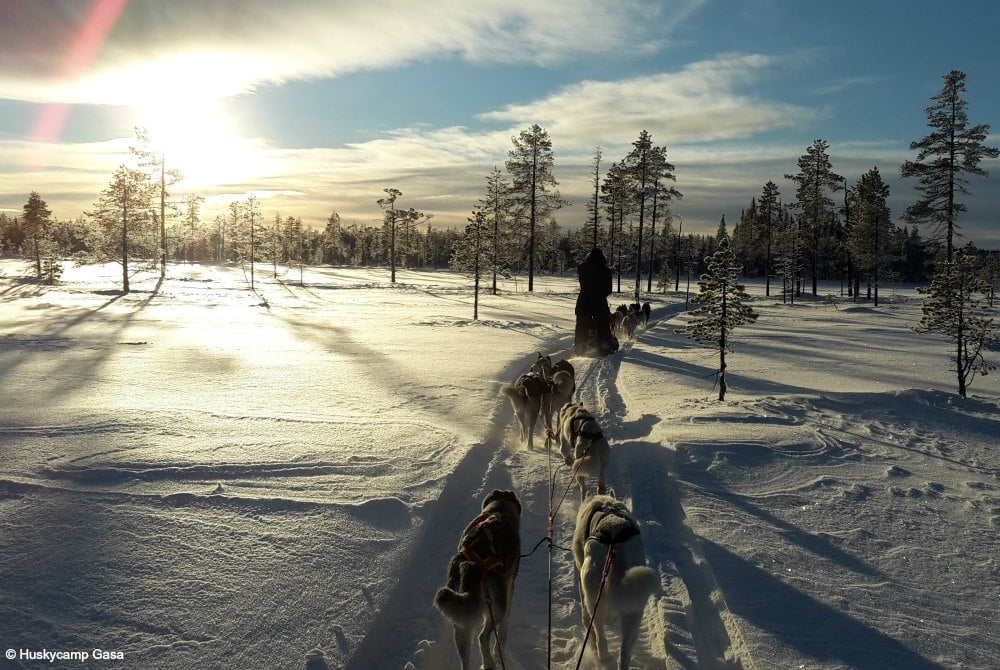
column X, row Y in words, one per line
column 489, row 547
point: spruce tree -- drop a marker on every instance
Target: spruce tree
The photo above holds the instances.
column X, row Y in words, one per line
column 952, row 151
column 814, row 180
column 768, row 216
column 723, row 307
column 496, row 207
column 35, row 224
column 954, row 309
column 870, row 235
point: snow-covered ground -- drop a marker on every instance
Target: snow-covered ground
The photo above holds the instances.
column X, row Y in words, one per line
column 197, row 476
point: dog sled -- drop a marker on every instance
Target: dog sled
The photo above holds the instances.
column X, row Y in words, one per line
column 589, row 341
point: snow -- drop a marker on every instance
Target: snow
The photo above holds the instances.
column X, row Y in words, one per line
column 197, row 475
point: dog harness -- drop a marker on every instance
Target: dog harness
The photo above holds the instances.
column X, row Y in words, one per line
column 591, row 437
column 490, row 545
column 606, row 537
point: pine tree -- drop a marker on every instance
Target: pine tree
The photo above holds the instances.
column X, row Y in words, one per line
column 468, row 253
column 153, row 163
column 953, row 309
column 814, row 179
column 722, row 308
column 615, row 195
column 390, row 225
column 648, row 167
column 496, row 207
column 944, row 158
column 991, row 276
column 530, row 164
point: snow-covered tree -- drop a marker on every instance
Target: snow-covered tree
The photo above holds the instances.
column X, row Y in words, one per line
column 954, row 309
column 153, row 163
column 722, row 307
column 121, row 213
column 35, row 224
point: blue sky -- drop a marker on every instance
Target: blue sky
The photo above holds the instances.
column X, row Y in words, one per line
column 317, row 105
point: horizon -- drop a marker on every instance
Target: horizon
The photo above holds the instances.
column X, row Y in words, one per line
column 318, row 107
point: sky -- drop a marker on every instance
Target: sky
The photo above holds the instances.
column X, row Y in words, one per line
column 317, row 106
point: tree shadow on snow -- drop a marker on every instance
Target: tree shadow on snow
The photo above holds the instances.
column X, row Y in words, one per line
column 814, row 629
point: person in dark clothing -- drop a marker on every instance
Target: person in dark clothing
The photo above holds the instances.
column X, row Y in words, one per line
column 593, row 318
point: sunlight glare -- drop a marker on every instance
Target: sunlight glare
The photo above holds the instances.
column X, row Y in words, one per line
column 197, row 138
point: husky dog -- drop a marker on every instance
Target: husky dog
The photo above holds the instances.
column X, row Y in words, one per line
column 542, row 365
column 561, row 381
column 563, row 364
column 583, row 446
column 479, row 591
column 562, row 387
column 605, row 525
column 646, row 309
column 527, row 397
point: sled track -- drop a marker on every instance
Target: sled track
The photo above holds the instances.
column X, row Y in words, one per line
column 687, row 624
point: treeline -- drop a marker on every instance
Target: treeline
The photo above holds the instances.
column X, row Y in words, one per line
column 826, row 228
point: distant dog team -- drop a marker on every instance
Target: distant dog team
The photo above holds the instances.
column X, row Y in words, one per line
column 540, row 392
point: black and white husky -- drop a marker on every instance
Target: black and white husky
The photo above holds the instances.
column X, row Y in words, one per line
column 605, row 526
column 480, row 586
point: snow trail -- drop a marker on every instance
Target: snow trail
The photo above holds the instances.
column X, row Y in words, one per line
column 685, row 625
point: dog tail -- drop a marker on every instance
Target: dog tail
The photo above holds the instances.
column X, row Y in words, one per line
column 511, row 391
column 455, row 605
column 634, row 589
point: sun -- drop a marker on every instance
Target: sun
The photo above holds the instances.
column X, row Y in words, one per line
column 197, row 138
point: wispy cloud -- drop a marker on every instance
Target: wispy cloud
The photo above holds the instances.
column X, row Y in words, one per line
column 847, row 84
column 442, row 170
column 226, row 47
column 700, row 103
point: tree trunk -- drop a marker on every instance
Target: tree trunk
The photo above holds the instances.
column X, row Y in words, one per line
column 125, row 242
column 722, row 374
